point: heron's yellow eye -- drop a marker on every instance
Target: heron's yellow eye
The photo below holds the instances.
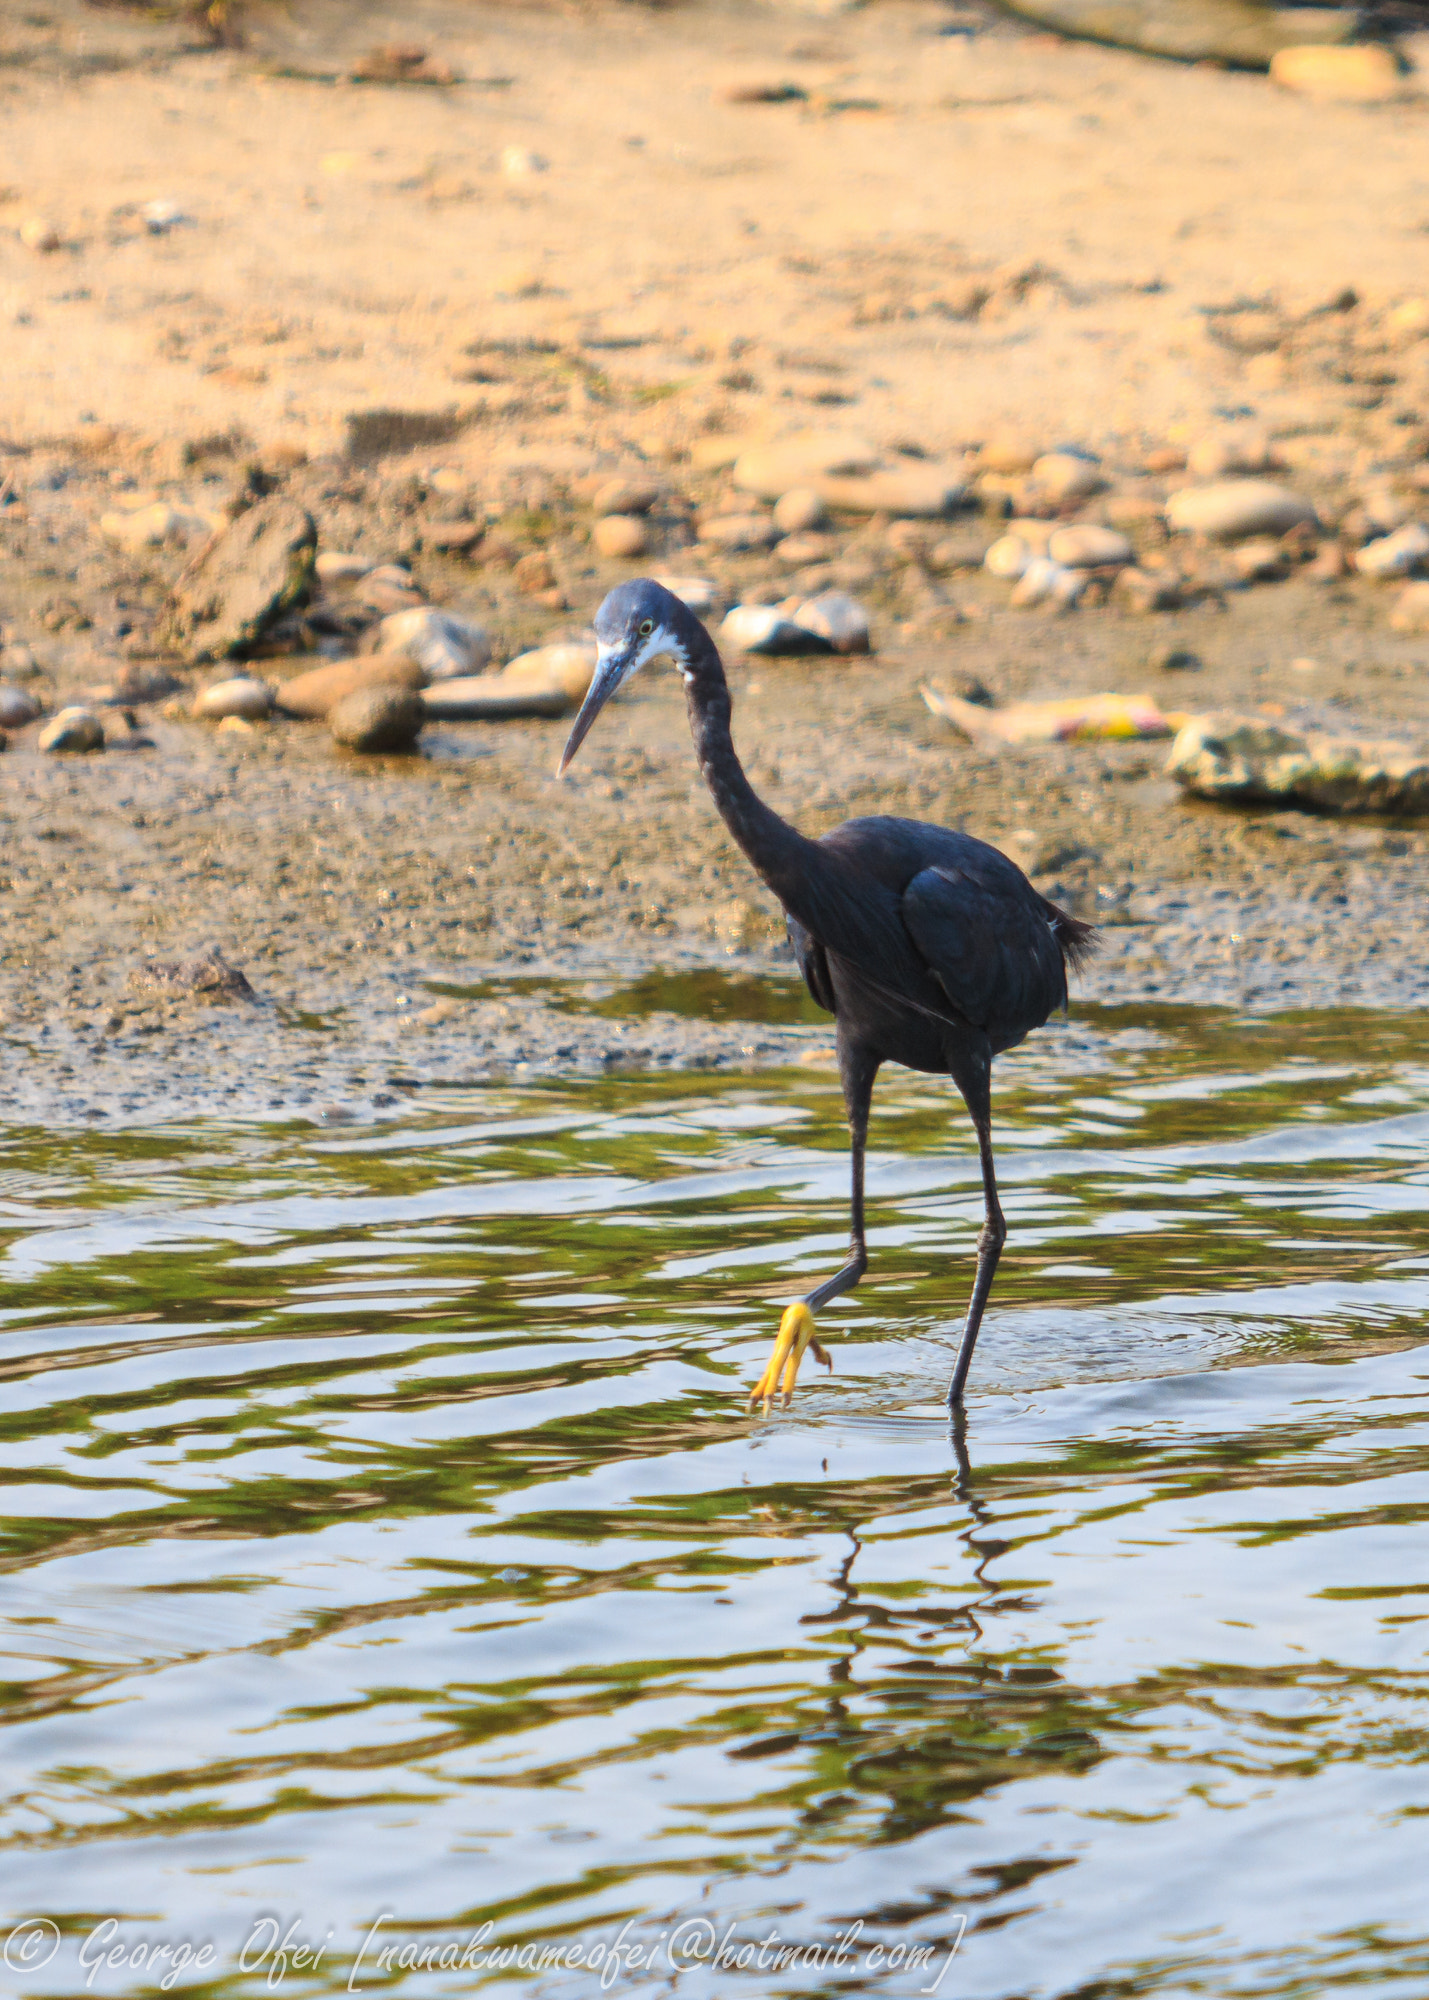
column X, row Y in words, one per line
column 647, row 628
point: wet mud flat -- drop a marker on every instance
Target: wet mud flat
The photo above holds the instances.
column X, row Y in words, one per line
column 418, row 922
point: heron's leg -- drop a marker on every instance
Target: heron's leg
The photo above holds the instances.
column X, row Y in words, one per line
column 857, row 1069
column 976, row 1086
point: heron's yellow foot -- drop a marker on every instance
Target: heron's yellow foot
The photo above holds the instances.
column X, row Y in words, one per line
column 794, row 1339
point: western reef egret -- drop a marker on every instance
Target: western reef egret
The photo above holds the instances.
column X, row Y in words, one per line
column 928, row 947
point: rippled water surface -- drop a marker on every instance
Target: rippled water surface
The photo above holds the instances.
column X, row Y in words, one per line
column 389, row 1562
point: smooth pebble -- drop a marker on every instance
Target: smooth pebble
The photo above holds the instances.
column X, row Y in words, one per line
column 1399, row 554
column 738, row 531
column 837, row 618
column 1008, row 557
column 765, row 628
column 378, row 719
column 248, row 699
column 1086, row 546
column 799, row 510
column 626, row 496
column 1066, row 475
column 621, row 536
column 315, row 694
column 1411, row 609
column 73, row 729
column 1231, row 509
column 441, row 643
column 16, row 707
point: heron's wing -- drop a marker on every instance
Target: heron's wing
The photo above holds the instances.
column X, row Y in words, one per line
column 986, row 936
column 813, row 963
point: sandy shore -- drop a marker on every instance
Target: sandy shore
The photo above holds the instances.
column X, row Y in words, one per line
column 652, row 268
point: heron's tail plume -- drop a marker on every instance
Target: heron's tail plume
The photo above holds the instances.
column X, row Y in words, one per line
column 1078, row 940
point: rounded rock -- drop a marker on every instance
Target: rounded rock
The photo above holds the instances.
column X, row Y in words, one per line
column 1260, row 560
column 1008, row 557
column 1008, row 452
column 250, row 700
column 443, row 645
column 771, row 471
column 798, row 550
column 1399, row 554
column 626, row 496
column 738, row 531
column 315, row 694
column 37, row 232
column 16, row 707
column 621, row 536
column 799, row 510
column 838, row 619
column 375, row 719
column 1411, row 610
column 1086, row 546
column 567, row 667
column 1065, row 475
column 336, row 566
column 1360, row 73
column 1232, row 509
column 1223, row 452
column 72, row 730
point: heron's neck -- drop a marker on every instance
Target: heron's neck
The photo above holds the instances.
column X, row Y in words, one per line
column 781, row 856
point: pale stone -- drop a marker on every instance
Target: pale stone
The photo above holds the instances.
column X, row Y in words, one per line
column 244, row 697
column 797, row 551
column 443, row 645
column 1363, row 73
column 149, row 527
column 772, row 470
column 922, row 490
column 16, row 708
column 1066, row 475
column 1086, row 546
column 378, row 719
column 1399, row 554
column 738, row 531
column 765, row 628
column 1259, row 560
column 798, row 510
column 1008, row 452
column 1047, row 582
column 37, row 232
column 626, row 496
column 493, row 698
column 715, row 454
column 1234, row 508
column 1411, row 610
column 315, row 694
column 1231, row 451
column 567, row 666
column 837, row 618
column 335, row 567
column 623, row 536
column 73, row 729
column 1008, row 557
column 1241, row 757
column 1408, row 322
column 696, row 593
column 520, row 163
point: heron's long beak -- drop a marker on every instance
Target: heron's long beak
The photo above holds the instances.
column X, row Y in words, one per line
column 610, row 670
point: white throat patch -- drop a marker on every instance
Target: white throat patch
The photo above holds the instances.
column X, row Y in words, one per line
column 660, row 641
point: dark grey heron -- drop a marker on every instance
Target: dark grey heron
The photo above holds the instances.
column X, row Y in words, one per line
column 928, row 947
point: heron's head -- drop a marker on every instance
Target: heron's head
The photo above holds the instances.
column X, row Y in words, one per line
column 636, row 623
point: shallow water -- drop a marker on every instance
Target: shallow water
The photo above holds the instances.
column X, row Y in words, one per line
column 385, row 1542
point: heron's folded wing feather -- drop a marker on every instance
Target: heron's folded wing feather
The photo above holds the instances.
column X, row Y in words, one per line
column 985, row 935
